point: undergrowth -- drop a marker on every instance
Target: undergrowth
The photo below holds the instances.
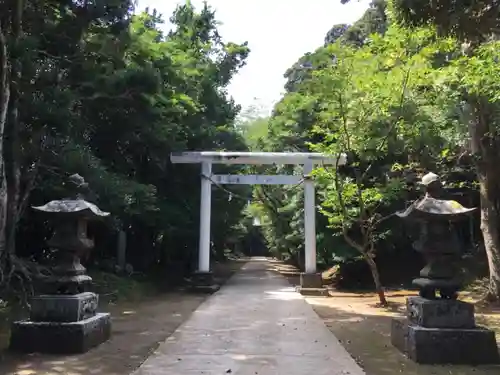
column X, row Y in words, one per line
column 112, row 287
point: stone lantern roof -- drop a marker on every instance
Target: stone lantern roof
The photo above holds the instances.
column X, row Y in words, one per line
column 429, row 208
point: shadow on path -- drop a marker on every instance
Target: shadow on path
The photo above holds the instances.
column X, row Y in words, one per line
column 366, row 335
column 138, row 328
column 256, row 324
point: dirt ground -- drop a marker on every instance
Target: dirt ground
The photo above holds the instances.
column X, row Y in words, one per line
column 364, row 330
column 138, row 328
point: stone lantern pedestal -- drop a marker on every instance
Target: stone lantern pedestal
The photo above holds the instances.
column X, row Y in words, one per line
column 65, row 320
column 443, row 331
column 439, row 329
column 61, row 325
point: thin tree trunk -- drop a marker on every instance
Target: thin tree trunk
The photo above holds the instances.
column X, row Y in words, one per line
column 4, row 104
column 484, row 144
column 376, row 279
column 490, row 201
column 11, row 132
column 367, row 256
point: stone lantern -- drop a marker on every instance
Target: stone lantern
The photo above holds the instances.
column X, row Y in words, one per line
column 439, row 328
column 64, row 319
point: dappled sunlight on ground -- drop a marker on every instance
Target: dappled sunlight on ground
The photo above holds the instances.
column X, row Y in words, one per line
column 138, row 328
column 364, row 328
column 365, row 304
column 284, row 294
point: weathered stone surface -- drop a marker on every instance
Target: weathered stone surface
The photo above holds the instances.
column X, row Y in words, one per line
column 399, row 334
column 448, row 288
column 311, row 280
column 67, row 285
column 445, row 345
column 440, row 313
column 63, row 308
column 60, row 338
column 202, row 278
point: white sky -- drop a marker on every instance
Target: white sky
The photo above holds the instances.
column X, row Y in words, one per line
column 278, row 32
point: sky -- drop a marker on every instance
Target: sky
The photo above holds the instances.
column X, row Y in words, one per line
column 278, row 32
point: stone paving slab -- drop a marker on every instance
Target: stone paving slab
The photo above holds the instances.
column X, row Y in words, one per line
column 256, row 324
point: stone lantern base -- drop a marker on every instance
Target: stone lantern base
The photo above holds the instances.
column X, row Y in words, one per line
column 443, row 331
column 61, row 324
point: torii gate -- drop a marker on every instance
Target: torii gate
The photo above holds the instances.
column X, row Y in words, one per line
column 310, row 279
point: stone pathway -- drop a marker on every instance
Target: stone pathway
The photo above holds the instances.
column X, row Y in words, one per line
column 256, row 324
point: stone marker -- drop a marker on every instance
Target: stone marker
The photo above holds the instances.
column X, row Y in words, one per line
column 65, row 319
column 440, row 329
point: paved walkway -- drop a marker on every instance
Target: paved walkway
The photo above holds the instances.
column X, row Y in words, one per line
column 256, row 324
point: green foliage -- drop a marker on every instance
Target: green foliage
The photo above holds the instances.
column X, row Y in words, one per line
column 475, row 24
column 254, row 132
column 475, row 74
column 111, row 103
column 377, row 100
column 109, row 95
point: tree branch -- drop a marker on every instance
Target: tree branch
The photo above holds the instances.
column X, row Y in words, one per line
column 339, row 190
column 393, row 125
column 366, row 227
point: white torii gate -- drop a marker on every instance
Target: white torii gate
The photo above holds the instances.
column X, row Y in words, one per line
column 207, row 158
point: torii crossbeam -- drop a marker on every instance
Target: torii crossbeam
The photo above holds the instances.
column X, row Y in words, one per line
column 308, row 160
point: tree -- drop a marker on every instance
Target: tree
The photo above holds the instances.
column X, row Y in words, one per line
column 95, row 76
column 353, row 203
column 475, row 25
column 289, row 129
column 372, row 101
column 27, row 56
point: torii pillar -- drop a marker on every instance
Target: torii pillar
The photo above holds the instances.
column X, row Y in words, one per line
column 310, row 280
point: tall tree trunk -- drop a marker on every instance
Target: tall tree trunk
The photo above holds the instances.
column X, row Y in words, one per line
column 485, row 145
column 4, row 104
column 11, row 133
column 490, row 215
